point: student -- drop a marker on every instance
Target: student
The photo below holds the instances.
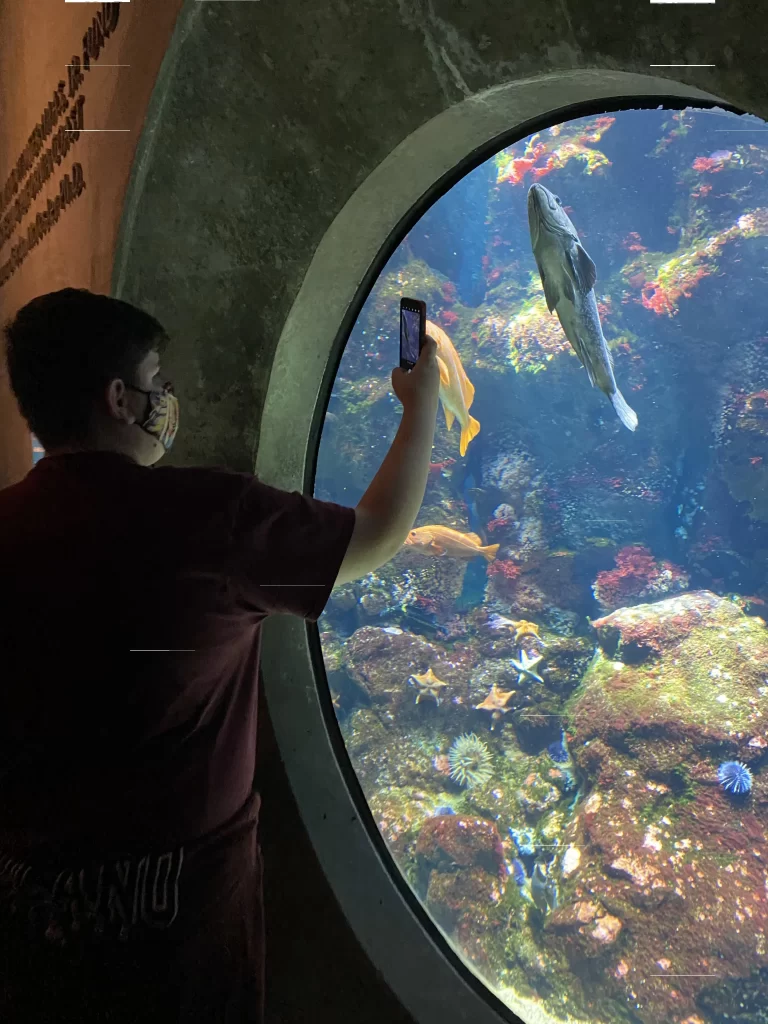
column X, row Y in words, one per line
column 130, row 871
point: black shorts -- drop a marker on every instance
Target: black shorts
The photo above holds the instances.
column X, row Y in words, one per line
column 193, row 955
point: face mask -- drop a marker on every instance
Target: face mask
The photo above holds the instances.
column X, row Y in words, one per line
column 162, row 418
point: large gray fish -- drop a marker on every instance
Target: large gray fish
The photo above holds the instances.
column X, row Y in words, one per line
column 568, row 276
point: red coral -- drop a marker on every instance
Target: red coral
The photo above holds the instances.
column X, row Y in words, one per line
column 507, row 569
column 496, row 524
column 504, row 576
column 449, row 291
column 637, row 577
column 449, row 318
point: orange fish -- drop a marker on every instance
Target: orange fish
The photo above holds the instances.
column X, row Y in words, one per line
column 456, row 392
column 442, row 540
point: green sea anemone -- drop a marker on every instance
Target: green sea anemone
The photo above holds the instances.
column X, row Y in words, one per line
column 470, row 761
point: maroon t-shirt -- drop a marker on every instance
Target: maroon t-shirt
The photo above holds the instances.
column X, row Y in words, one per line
column 128, row 692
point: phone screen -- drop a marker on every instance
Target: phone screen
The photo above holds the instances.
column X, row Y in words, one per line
column 410, row 326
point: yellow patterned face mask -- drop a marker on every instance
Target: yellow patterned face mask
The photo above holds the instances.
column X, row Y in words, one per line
column 162, row 419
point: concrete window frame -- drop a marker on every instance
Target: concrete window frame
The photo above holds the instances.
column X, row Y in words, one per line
column 406, row 947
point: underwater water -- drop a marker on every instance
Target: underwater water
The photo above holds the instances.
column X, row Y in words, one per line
column 555, row 696
column 37, row 450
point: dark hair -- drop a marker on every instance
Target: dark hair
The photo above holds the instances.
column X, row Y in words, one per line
column 63, row 348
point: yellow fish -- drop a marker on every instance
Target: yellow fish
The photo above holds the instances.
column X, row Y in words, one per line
column 456, row 392
column 442, row 540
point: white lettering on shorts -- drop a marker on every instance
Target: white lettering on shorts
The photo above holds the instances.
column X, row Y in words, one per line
column 108, row 900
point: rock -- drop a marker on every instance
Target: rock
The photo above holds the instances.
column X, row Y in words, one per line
column 586, row 928
column 664, row 680
column 634, row 634
column 451, row 895
column 537, row 796
column 634, row 870
column 375, row 603
column 382, row 664
column 667, row 857
column 607, row 929
column 461, row 876
column 447, row 843
column 570, row 862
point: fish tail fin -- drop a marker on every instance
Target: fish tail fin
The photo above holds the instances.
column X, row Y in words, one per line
column 472, row 430
column 627, row 416
column 490, row 551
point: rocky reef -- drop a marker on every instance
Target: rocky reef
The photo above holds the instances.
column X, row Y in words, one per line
column 650, row 900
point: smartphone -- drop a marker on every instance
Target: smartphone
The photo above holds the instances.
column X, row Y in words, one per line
column 413, row 330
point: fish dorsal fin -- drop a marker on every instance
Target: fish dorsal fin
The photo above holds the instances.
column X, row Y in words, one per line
column 444, row 375
column 584, row 270
column 473, row 537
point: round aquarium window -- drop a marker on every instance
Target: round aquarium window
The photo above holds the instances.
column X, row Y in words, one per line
column 555, row 696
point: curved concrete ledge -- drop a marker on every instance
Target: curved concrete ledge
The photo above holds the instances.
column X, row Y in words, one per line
column 393, row 930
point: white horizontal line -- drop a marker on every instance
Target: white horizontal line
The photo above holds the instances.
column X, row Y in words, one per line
column 161, row 650
column 97, row 129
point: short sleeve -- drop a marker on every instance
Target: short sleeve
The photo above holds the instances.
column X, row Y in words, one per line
column 287, row 550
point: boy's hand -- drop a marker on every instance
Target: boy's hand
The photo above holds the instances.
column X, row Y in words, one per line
column 420, row 384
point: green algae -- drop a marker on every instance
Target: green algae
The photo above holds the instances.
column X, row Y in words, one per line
column 679, row 688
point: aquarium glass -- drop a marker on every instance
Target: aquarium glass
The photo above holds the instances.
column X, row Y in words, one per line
column 555, row 696
column 37, row 450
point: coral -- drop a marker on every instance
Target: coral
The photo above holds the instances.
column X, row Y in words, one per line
column 503, row 575
column 511, row 472
column 735, row 777
column 449, row 292
column 470, row 761
column 636, row 578
column 754, row 412
column 504, row 567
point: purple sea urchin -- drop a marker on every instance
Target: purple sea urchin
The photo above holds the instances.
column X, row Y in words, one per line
column 734, row 777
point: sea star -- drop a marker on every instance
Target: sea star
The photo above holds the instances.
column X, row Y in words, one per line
column 524, row 628
column 429, row 685
column 521, row 627
column 525, row 667
column 495, row 702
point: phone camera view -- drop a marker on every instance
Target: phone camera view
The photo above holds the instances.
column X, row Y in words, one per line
column 409, row 326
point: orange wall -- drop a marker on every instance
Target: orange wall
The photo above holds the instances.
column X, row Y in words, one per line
column 76, row 205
